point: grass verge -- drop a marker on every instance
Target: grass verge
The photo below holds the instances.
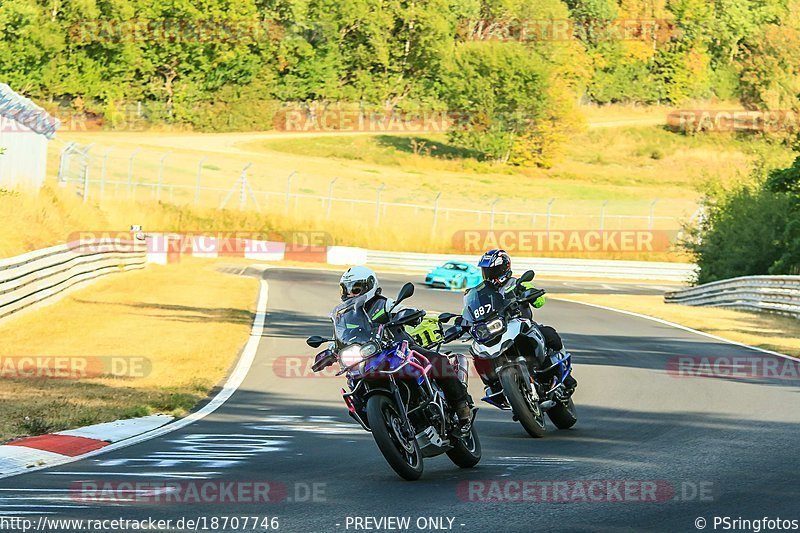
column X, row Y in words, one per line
column 188, row 320
column 770, row 332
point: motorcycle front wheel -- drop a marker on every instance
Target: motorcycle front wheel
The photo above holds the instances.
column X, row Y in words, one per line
column 403, row 456
column 525, row 409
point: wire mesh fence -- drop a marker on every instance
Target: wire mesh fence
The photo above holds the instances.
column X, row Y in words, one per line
column 98, row 174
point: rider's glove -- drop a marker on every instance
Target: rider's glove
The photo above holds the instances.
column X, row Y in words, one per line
column 540, row 301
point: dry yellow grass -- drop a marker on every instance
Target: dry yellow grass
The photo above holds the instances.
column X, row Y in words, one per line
column 629, row 166
column 188, row 320
column 770, row 332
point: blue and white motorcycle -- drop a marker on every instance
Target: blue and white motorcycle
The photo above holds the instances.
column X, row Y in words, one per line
column 511, row 357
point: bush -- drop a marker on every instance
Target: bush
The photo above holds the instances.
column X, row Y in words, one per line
column 751, row 230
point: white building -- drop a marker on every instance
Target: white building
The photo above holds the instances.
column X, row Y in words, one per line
column 25, row 129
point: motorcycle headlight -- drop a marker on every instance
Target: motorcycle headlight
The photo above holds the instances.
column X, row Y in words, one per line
column 356, row 353
column 350, row 355
column 369, row 350
column 486, row 330
column 495, row 326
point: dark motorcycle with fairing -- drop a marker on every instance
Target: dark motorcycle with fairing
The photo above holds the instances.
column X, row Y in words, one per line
column 511, row 356
column 391, row 392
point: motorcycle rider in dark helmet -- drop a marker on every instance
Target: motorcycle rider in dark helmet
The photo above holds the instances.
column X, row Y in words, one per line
column 495, row 268
column 360, row 280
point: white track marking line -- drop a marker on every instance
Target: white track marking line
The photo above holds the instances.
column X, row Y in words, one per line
column 679, row 326
column 231, row 385
column 54, row 506
column 36, row 490
column 167, row 475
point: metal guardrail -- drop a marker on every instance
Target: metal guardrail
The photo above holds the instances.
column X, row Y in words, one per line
column 31, row 278
column 774, row 294
column 642, row 270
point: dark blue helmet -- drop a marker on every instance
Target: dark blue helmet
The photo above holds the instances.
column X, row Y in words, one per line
column 495, row 267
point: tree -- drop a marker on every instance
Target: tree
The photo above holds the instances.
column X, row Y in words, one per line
column 500, row 92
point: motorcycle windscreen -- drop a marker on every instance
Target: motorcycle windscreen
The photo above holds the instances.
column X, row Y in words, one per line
column 481, row 303
column 351, row 323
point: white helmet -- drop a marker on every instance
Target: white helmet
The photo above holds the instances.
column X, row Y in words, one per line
column 357, row 281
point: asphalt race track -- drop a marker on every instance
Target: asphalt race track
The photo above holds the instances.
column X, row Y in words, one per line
column 723, row 447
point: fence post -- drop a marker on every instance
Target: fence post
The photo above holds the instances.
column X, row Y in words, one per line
column 435, row 215
column 330, row 197
column 103, row 175
column 549, row 213
column 289, row 189
column 161, row 175
column 64, row 162
column 491, row 214
column 652, row 212
column 243, row 187
column 85, row 183
column 130, row 171
column 197, row 185
column 603, row 214
column 378, row 204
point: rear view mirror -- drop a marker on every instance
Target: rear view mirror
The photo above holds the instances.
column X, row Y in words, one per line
column 444, row 318
column 526, row 277
column 315, row 341
column 405, row 292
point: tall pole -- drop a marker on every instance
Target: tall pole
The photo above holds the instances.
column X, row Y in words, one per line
column 652, row 212
column 378, row 204
column 435, row 215
column 161, row 175
column 130, row 171
column 63, row 163
column 330, row 197
column 491, row 214
column 243, row 187
column 603, row 214
column 199, row 177
column 103, row 175
column 85, row 183
column 289, row 189
column 549, row 213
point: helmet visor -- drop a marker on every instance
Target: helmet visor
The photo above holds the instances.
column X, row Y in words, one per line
column 352, row 289
column 494, row 273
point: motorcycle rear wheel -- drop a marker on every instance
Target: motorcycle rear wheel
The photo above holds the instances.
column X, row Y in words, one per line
column 563, row 416
column 466, row 451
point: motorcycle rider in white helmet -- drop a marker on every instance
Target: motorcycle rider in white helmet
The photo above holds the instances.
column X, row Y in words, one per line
column 362, row 281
